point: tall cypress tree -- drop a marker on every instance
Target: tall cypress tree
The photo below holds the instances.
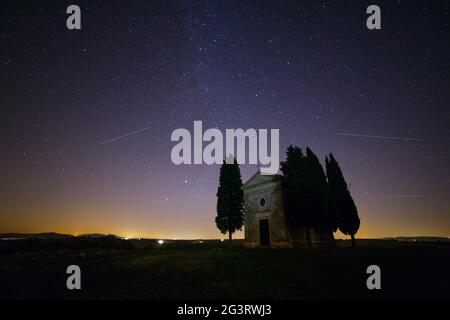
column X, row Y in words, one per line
column 230, row 200
column 307, row 199
column 341, row 199
column 324, row 218
column 294, row 187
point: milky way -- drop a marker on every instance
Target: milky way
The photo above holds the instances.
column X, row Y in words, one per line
column 87, row 114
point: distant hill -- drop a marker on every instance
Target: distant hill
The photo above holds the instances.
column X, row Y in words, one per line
column 93, row 235
column 43, row 235
column 52, row 235
column 422, row 238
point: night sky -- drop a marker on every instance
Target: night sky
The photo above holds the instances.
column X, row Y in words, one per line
column 87, row 115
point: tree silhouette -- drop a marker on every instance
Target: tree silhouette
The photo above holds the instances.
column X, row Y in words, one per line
column 296, row 191
column 341, row 199
column 324, row 219
column 306, row 193
column 230, row 200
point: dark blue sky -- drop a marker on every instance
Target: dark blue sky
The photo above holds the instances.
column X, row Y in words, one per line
column 309, row 68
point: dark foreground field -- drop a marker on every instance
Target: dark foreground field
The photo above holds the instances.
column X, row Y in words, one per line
column 212, row 271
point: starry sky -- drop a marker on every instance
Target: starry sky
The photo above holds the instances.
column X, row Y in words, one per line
column 87, row 115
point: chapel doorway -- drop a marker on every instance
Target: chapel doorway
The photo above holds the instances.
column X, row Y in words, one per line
column 264, row 234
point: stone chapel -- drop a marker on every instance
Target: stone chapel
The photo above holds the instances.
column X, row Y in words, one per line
column 264, row 219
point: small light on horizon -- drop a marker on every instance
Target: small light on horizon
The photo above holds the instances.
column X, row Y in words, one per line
column 160, row 241
column 221, row 240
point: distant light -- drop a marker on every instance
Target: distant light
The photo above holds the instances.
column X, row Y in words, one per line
column 221, row 240
column 126, row 238
column 160, row 241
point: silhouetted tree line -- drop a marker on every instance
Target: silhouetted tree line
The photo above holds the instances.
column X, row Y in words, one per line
column 316, row 200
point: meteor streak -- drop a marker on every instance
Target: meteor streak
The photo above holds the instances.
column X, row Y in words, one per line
column 379, row 137
column 394, row 196
column 125, row 135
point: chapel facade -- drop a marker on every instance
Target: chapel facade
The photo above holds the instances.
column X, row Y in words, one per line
column 264, row 218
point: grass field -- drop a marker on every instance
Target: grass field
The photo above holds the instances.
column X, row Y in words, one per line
column 213, row 271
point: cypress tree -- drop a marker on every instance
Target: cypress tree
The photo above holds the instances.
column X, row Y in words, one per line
column 304, row 189
column 230, row 200
column 294, row 186
column 341, row 199
column 324, row 218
